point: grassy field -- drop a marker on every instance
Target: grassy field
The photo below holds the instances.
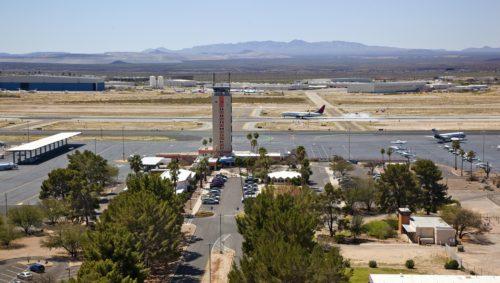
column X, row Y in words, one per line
column 361, row 274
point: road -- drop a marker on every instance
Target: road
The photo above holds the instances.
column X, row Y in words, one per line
column 211, row 230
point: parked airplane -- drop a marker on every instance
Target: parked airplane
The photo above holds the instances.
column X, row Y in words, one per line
column 448, row 137
column 304, row 115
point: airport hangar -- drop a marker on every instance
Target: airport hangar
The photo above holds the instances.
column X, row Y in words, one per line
column 51, row 83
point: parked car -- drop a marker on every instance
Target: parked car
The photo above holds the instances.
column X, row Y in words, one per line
column 37, row 267
column 210, row 201
column 221, row 176
column 25, row 275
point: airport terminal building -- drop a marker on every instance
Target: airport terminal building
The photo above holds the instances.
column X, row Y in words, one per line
column 51, row 83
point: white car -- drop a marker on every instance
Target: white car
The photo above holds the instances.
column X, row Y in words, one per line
column 25, row 275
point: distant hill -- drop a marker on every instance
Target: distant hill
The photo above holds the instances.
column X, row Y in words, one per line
column 241, row 50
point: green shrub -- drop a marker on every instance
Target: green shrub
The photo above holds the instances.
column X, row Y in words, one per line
column 410, row 264
column 393, row 222
column 379, row 229
column 340, row 237
column 451, row 264
column 201, row 214
column 372, row 264
column 460, row 248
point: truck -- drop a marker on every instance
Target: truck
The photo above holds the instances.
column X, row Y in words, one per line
column 8, row 166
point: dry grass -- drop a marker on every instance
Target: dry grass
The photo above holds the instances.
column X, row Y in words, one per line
column 23, row 139
column 86, row 125
column 297, row 126
column 466, row 103
column 409, row 125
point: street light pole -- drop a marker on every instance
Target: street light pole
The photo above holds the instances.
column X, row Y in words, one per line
column 123, row 144
column 28, row 129
column 220, row 232
column 483, row 144
column 209, row 263
column 349, row 138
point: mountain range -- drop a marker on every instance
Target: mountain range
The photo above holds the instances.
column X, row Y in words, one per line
column 242, row 50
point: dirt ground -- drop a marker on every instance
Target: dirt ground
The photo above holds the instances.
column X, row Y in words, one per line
column 297, row 125
column 418, row 104
column 87, row 125
column 29, row 246
column 220, row 267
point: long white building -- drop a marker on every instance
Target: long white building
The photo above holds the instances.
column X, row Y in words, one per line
column 386, row 87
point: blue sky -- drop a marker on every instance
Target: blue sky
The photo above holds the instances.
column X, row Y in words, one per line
column 121, row 25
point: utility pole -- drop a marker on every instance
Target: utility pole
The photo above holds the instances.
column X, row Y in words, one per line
column 209, row 263
column 483, row 144
column 123, row 144
column 349, row 142
column 28, row 129
column 220, row 233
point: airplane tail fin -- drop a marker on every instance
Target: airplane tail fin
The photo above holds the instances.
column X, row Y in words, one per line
column 321, row 110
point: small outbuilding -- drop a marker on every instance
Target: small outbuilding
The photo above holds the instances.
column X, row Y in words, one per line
column 184, row 179
column 152, row 162
column 425, row 229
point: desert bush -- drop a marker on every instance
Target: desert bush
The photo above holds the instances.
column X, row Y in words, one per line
column 204, row 214
column 372, row 264
column 451, row 264
column 410, row 264
column 460, row 248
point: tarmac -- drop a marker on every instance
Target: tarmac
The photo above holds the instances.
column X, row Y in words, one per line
column 22, row 186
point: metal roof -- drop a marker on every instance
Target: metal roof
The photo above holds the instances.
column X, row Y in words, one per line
column 45, row 141
column 413, row 278
column 153, row 160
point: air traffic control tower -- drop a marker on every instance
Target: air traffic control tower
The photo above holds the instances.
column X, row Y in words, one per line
column 222, row 120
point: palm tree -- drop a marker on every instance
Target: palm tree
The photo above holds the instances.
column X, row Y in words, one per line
column 256, row 135
column 174, row 168
column 389, row 153
column 461, row 152
column 135, row 163
column 455, row 145
column 249, row 138
column 204, row 167
column 204, row 142
column 470, row 155
column 210, row 140
column 382, row 152
column 253, row 144
column 301, row 153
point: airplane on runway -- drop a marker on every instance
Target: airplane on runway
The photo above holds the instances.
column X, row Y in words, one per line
column 448, row 137
column 304, row 115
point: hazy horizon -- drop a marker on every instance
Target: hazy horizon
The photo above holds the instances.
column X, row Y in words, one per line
column 104, row 26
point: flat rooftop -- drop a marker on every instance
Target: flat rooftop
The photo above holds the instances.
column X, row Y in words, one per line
column 429, row 221
column 413, row 278
column 44, row 141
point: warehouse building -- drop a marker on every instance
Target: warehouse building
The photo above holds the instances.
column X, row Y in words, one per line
column 51, row 83
column 386, row 87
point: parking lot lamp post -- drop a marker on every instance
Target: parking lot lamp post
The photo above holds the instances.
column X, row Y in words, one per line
column 220, row 233
column 123, row 144
column 209, row 263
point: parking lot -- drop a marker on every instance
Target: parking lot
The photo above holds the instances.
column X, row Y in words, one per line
column 55, row 270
